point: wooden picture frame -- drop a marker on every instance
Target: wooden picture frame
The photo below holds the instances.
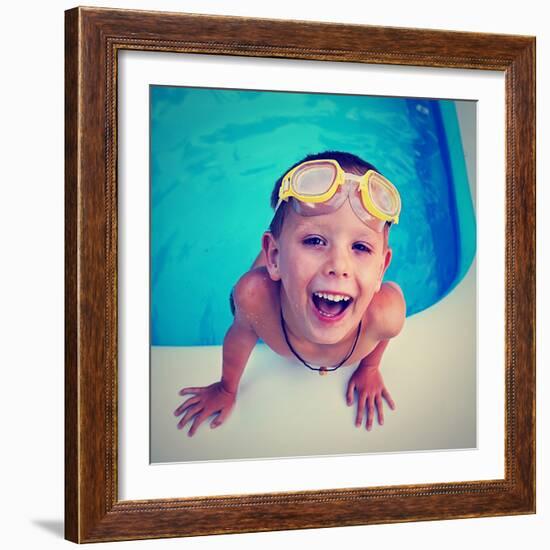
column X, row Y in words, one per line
column 93, row 511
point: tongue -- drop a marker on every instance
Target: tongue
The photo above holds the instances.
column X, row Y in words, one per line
column 329, row 307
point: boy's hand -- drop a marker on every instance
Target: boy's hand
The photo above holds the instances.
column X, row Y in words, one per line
column 205, row 402
column 369, row 385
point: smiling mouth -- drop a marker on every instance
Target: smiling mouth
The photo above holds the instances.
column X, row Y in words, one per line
column 331, row 305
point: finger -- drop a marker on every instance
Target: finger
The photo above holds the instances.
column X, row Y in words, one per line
column 186, row 404
column 191, row 412
column 379, row 409
column 349, row 393
column 361, row 399
column 190, row 390
column 199, row 419
column 220, row 419
column 386, row 395
column 370, row 412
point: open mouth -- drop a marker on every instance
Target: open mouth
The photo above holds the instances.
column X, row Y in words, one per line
column 331, row 305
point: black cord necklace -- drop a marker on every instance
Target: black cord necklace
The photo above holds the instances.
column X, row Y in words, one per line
column 321, row 370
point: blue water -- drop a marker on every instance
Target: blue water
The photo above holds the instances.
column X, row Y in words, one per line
column 215, row 155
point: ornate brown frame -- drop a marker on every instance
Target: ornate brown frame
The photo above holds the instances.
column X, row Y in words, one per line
column 92, row 509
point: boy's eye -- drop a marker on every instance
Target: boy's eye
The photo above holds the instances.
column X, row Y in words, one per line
column 314, row 241
column 362, row 247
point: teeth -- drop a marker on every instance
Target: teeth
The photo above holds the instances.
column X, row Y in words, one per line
column 332, row 297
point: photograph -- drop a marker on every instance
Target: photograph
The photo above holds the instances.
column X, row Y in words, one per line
column 312, row 274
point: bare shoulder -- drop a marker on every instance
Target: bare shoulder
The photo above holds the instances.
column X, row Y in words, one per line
column 386, row 312
column 254, row 292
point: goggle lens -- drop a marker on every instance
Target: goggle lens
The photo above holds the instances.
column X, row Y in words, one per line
column 382, row 196
column 314, row 180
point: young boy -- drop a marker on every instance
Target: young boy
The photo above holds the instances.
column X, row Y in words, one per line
column 315, row 292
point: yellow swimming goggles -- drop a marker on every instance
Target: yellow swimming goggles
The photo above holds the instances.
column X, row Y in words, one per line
column 321, row 186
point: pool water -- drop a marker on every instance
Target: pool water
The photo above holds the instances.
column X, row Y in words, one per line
column 215, row 155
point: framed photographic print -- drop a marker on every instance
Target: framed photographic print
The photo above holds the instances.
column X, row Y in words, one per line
column 317, row 239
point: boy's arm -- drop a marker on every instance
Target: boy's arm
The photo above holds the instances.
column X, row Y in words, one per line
column 237, row 347
column 374, row 358
column 387, row 318
column 219, row 398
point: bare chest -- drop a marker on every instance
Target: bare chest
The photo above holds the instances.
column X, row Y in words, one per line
column 271, row 332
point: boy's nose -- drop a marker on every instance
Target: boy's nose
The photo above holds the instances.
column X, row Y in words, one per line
column 337, row 266
column 337, row 273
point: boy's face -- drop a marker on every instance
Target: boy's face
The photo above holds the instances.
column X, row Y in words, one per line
column 330, row 267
